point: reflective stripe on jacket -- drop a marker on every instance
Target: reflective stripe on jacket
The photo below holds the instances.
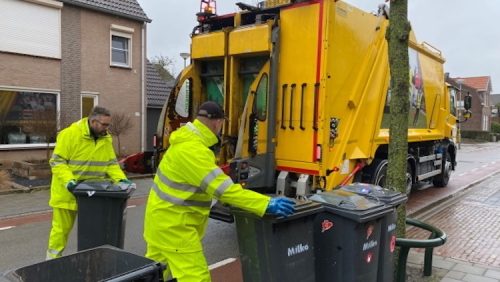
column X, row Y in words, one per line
column 185, row 183
column 79, row 156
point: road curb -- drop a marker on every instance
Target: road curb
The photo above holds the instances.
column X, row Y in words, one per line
column 420, row 213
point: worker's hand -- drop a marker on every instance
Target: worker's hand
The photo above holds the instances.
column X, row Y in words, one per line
column 71, row 185
column 281, row 206
column 126, row 184
column 126, row 181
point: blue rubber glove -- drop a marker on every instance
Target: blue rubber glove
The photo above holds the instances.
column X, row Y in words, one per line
column 71, row 185
column 281, row 207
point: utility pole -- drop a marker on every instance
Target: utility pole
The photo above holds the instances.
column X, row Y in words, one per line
column 459, row 109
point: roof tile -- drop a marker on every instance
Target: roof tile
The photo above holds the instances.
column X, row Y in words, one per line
column 126, row 8
column 481, row 83
column 157, row 89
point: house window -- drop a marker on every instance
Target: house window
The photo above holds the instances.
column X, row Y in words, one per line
column 31, row 27
column 88, row 102
column 121, row 46
column 27, row 117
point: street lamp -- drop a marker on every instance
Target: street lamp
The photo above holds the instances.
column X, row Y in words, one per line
column 185, row 56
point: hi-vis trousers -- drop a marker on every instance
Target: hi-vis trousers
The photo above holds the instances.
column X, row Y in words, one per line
column 62, row 223
column 185, row 267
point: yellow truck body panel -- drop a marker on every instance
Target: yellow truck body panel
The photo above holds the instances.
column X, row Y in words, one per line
column 306, row 89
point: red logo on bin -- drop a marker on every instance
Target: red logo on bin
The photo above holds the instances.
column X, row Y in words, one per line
column 369, row 231
column 369, row 257
column 326, row 225
column 392, row 246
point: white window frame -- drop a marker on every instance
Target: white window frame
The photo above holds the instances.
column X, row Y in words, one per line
column 58, row 109
column 124, row 32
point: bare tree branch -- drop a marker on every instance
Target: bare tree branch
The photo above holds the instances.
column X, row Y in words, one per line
column 121, row 123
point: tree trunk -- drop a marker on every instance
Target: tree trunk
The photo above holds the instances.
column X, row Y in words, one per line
column 119, row 146
column 397, row 35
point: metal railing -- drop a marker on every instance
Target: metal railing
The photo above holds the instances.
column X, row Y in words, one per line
column 437, row 238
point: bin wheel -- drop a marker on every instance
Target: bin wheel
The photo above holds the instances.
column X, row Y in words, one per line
column 441, row 180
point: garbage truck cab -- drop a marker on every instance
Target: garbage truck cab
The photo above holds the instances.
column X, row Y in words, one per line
column 305, row 87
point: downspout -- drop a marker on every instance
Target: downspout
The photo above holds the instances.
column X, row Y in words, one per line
column 143, row 56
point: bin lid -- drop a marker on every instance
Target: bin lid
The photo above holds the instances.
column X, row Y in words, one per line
column 103, row 263
column 302, row 208
column 104, row 188
column 387, row 196
column 345, row 200
column 351, row 205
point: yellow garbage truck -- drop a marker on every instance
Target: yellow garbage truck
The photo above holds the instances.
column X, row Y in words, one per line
column 305, row 87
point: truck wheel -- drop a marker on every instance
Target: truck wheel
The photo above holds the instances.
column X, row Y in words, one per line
column 379, row 172
column 379, row 175
column 409, row 179
column 441, row 180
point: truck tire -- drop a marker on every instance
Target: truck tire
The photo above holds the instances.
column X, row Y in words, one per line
column 379, row 175
column 379, row 172
column 409, row 179
column 441, row 180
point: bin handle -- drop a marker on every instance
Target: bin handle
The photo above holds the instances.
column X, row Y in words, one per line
column 139, row 273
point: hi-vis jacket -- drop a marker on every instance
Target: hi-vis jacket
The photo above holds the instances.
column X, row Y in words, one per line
column 79, row 156
column 185, row 183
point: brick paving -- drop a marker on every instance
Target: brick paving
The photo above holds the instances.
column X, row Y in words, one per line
column 472, row 225
column 420, row 199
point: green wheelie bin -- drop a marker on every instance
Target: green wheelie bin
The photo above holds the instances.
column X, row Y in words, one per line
column 388, row 237
column 101, row 213
column 105, row 263
column 347, row 237
column 277, row 248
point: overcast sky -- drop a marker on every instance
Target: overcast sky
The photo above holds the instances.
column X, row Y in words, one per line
column 463, row 30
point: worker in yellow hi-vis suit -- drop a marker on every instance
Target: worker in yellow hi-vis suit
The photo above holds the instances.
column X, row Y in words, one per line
column 84, row 150
column 179, row 202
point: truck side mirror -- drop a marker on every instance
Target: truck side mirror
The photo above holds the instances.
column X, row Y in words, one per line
column 467, row 102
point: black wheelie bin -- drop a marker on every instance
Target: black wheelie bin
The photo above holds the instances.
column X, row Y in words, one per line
column 347, row 236
column 105, row 263
column 388, row 236
column 101, row 213
column 277, row 249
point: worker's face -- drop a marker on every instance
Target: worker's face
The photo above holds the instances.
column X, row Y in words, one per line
column 218, row 126
column 100, row 125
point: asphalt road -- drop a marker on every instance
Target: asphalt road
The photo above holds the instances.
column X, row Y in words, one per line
column 24, row 242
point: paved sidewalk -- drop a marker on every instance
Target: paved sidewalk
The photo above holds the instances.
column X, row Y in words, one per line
column 451, row 270
column 37, row 201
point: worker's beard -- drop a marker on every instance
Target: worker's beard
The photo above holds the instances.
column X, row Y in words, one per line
column 98, row 134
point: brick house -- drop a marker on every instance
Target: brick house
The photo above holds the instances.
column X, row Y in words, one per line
column 157, row 92
column 479, row 88
column 64, row 57
column 495, row 113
